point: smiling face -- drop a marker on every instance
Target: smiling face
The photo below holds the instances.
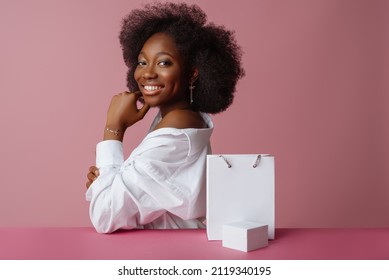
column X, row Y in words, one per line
column 161, row 74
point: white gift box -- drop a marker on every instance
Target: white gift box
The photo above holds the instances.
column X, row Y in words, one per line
column 239, row 188
column 245, row 236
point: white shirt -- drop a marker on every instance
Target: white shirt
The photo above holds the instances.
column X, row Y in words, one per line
column 161, row 185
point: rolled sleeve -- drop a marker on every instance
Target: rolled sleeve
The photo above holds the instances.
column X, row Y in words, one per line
column 109, row 153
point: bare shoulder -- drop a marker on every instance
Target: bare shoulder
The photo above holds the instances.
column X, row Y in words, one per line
column 182, row 119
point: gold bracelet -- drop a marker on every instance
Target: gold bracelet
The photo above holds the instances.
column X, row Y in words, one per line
column 116, row 132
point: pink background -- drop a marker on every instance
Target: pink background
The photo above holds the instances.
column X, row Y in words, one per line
column 315, row 95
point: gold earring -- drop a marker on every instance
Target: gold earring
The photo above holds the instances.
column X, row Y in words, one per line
column 191, row 88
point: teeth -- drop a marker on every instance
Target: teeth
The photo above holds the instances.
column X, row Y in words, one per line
column 152, row 88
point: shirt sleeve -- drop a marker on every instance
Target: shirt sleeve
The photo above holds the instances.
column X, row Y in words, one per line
column 135, row 192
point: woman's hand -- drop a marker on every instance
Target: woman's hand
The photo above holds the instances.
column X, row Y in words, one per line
column 123, row 113
column 92, row 175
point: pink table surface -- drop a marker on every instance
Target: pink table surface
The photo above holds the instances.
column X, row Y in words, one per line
column 85, row 243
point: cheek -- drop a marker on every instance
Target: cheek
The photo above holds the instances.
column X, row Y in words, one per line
column 136, row 75
column 173, row 77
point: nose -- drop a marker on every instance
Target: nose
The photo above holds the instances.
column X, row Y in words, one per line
column 149, row 73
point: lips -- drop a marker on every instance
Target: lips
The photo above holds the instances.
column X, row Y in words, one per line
column 152, row 89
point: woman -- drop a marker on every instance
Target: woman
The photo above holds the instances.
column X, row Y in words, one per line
column 186, row 68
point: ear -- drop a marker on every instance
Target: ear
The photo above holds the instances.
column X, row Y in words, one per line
column 194, row 75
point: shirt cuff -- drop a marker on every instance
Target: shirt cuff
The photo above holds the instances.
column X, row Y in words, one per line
column 109, row 152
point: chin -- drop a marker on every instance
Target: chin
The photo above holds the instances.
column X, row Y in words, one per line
column 150, row 102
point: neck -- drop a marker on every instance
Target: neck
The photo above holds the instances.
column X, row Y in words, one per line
column 183, row 105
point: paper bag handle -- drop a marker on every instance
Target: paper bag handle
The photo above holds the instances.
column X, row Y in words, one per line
column 229, row 164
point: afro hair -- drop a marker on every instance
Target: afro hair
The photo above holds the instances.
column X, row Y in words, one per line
column 212, row 49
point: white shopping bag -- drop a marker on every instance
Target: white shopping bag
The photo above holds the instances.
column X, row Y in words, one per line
column 239, row 188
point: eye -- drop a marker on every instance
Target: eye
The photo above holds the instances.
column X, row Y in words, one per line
column 141, row 63
column 165, row 63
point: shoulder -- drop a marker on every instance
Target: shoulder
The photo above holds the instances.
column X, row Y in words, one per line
column 182, row 119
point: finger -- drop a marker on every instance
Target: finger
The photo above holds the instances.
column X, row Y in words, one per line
column 130, row 93
column 138, row 94
column 140, row 98
column 133, row 96
column 121, row 95
column 88, row 184
column 143, row 111
column 91, row 177
column 95, row 170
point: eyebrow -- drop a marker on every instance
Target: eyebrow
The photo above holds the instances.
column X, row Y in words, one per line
column 158, row 54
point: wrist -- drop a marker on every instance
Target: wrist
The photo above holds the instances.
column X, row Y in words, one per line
column 113, row 133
